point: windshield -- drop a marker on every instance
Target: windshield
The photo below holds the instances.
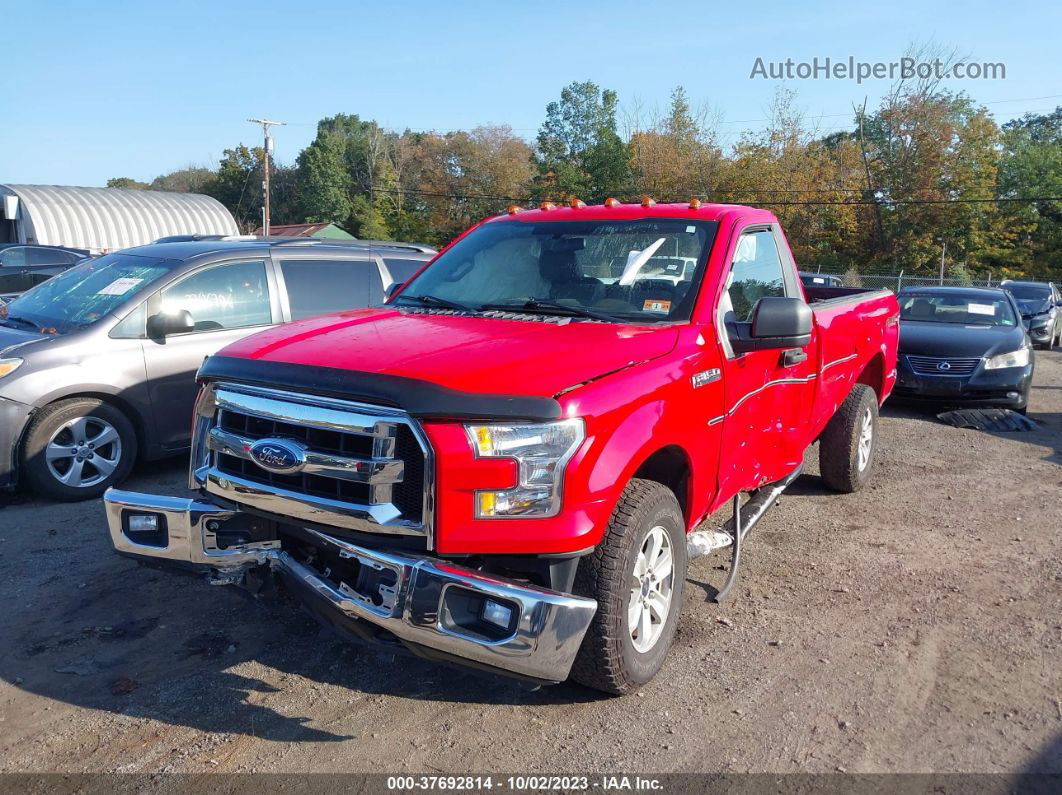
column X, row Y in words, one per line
column 976, row 311
column 626, row 271
column 86, row 292
column 1029, row 292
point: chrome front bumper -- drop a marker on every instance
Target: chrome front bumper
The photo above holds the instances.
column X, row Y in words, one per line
column 419, row 608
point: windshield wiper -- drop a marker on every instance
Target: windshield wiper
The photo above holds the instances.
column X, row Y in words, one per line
column 553, row 308
column 434, row 300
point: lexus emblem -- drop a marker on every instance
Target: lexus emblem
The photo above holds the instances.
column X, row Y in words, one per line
column 944, row 366
column 279, row 456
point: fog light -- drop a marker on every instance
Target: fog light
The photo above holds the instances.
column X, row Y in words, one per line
column 497, row 613
column 1012, row 394
column 143, row 523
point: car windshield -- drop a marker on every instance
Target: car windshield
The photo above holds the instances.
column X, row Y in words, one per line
column 1029, row 292
column 86, row 292
column 968, row 311
column 639, row 272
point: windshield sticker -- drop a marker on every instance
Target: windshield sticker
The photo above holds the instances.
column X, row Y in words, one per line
column 691, row 230
column 656, row 306
column 120, row 286
column 981, row 309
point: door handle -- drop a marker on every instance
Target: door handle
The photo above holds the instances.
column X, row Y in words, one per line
column 793, row 356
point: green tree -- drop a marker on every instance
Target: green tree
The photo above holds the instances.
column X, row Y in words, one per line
column 1031, row 166
column 580, row 152
column 126, row 182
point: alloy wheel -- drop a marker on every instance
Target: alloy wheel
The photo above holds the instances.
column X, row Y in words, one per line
column 83, row 452
column 866, row 439
column 651, row 587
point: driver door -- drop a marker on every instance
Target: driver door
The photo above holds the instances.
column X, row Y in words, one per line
column 768, row 394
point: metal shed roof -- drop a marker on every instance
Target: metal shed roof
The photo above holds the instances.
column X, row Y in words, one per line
column 114, row 218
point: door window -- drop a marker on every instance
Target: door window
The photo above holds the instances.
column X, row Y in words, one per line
column 234, row 295
column 756, row 272
column 318, row 287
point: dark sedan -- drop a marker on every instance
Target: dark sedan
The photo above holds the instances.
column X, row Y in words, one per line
column 1039, row 304
column 963, row 346
column 23, row 267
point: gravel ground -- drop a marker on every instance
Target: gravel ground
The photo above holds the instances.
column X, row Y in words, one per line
column 915, row 626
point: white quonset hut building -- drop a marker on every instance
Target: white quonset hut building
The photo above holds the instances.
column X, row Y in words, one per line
column 105, row 219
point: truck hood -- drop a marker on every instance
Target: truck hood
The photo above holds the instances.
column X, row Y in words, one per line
column 477, row 354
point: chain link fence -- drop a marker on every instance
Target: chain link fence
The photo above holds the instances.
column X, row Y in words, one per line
column 897, row 281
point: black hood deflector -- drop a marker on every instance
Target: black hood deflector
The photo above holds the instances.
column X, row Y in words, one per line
column 421, row 399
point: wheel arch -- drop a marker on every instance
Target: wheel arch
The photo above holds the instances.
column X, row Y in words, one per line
column 671, row 467
column 873, row 375
column 138, row 421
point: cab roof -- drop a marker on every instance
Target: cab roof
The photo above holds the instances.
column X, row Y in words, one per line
column 637, row 211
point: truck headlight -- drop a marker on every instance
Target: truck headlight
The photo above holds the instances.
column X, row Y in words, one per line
column 1018, row 358
column 8, row 366
column 541, row 452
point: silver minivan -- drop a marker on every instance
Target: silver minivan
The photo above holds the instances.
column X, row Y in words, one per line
column 98, row 364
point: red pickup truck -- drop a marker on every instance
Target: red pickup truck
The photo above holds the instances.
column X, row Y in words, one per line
column 501, row 465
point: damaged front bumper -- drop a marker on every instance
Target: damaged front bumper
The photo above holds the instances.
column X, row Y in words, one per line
column 433, row 607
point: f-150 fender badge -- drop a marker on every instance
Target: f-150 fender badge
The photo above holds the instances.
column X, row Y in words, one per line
column 705, row 377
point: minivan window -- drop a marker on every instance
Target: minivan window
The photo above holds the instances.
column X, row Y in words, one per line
column 233, row 295
column 86, row 292
column 319, row 287
column 402, row 270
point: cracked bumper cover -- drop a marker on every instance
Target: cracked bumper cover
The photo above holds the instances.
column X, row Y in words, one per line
column 540, row 644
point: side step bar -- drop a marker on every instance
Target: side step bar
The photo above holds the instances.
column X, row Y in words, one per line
column 734, row 530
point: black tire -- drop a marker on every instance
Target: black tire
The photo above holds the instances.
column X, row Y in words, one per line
column 840, row 463
column 608, row 660
column 117, row 456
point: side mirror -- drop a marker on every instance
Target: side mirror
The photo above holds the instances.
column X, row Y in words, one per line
column 394, row 288
column 166, row 323
column 777, row 323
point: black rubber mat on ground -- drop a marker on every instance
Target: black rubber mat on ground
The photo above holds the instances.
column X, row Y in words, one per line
column 1000, row 420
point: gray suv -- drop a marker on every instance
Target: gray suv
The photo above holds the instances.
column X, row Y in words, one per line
column 98, row 364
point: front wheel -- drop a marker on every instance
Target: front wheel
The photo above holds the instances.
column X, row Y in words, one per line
column 847, row 446
column 636, row 574
column 76, row 449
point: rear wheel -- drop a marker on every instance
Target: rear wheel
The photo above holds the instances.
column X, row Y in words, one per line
column 636, row 575
column 76, row 449
column 847, row 446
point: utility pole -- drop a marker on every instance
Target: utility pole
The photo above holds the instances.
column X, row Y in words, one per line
column 268, row 147
column 943, row 248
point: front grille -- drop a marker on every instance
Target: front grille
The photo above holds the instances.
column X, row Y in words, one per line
column 359, row 467
column 943, row 365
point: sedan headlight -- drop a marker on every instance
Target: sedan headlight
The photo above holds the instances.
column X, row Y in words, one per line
column 8, row 366
column 1018, row 358
column 1040, row 321
column 541, row 452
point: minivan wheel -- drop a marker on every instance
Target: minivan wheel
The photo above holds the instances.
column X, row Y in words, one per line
column 636, row 574
column 76, row 449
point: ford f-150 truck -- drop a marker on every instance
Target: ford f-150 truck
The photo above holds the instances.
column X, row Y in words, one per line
column 500, row 466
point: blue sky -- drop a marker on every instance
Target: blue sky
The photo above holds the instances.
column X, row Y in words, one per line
column 103, row 89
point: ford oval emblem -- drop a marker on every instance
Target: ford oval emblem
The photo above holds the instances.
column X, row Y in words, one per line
column 280, row 456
